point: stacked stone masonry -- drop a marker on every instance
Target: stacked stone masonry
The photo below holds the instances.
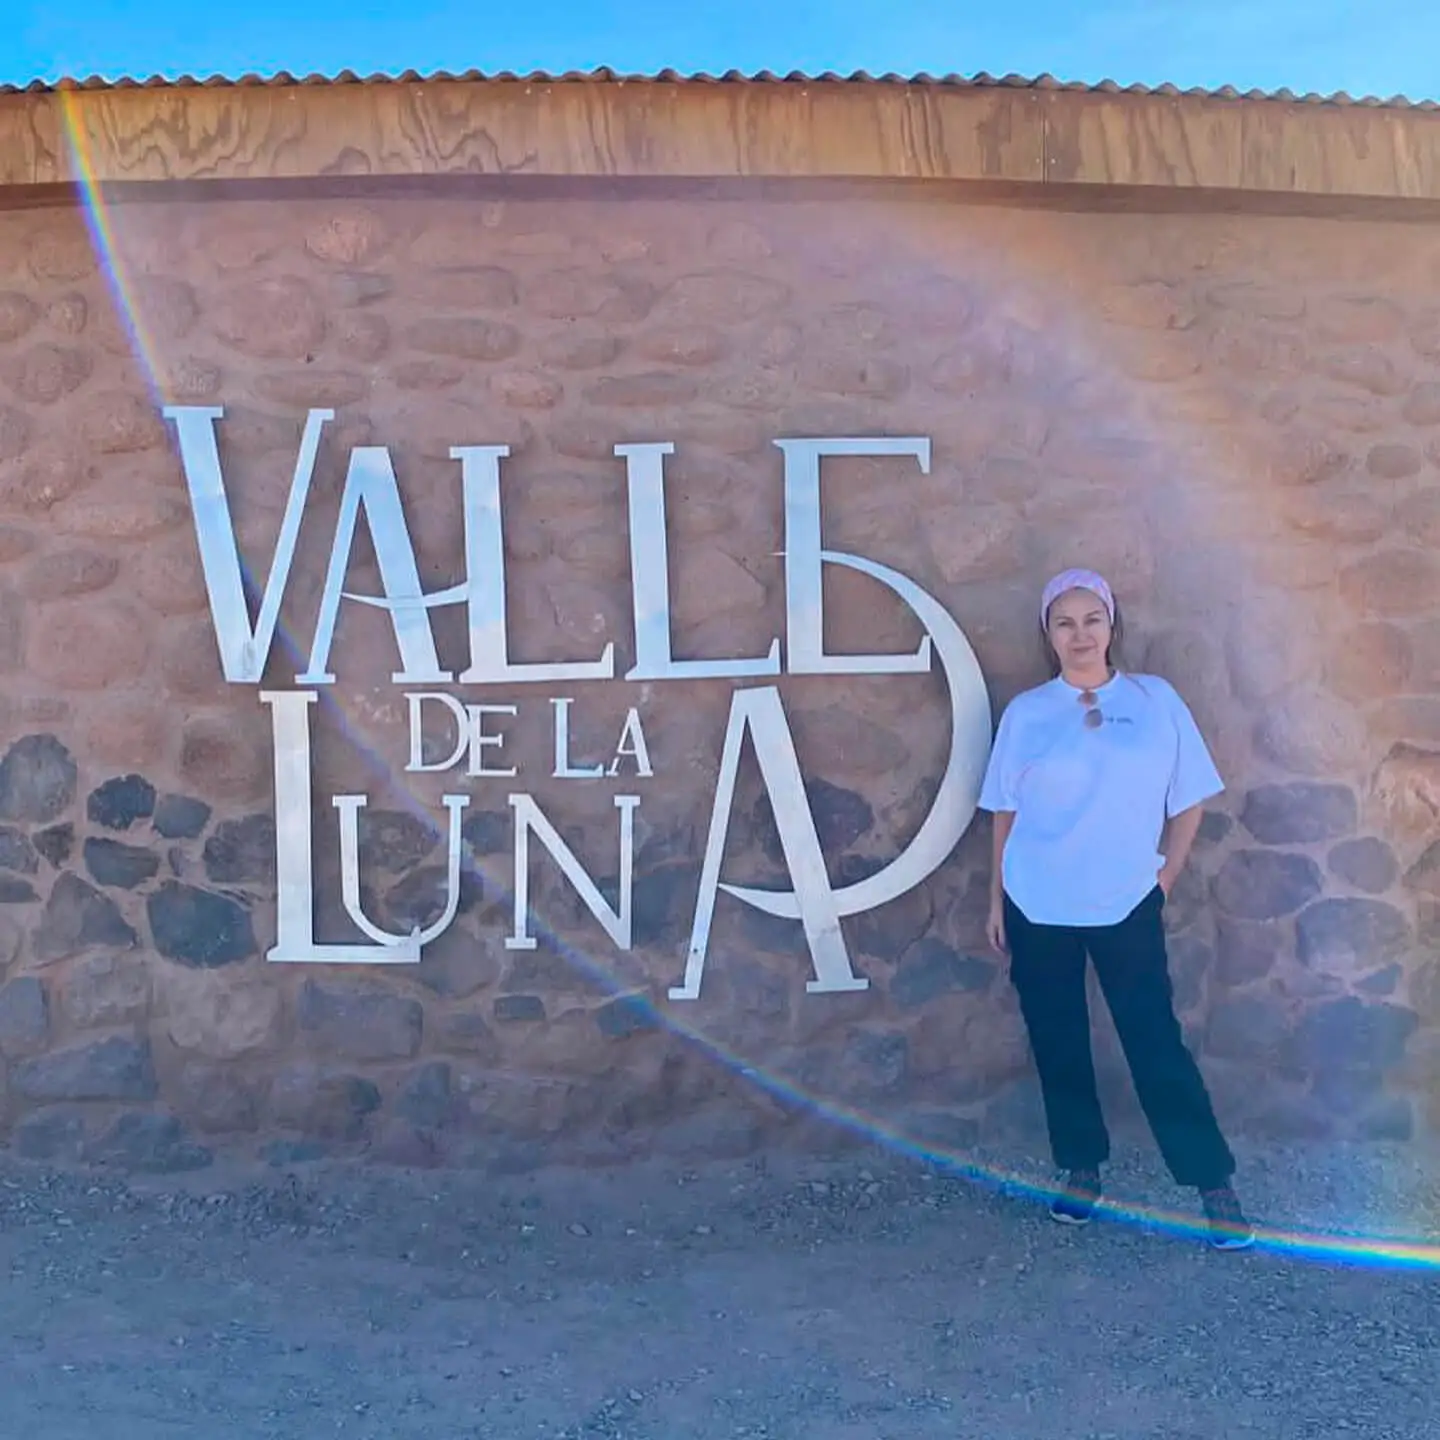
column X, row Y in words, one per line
column 1236, row 418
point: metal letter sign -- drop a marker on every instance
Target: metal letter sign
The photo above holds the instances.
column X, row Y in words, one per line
column 756, row 713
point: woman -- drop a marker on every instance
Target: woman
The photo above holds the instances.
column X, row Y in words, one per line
column 1095, row 781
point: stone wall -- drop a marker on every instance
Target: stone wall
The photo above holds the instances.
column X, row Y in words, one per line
column 1233, row 417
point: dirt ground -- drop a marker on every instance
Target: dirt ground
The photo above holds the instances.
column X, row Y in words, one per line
column 861, row 1296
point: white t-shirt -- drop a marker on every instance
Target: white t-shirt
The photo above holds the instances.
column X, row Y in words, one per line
column 1090, row 804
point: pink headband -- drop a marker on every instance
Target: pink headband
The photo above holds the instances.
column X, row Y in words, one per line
column 1076, row 580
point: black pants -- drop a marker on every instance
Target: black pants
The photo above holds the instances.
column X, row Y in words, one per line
column 1047, row 968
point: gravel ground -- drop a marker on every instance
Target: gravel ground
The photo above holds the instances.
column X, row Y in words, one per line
column 856, row 1297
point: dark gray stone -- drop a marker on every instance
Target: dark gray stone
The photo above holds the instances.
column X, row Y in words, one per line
column 427, row 1097
column 1367, row 863
column 1215, row 826
column 178, row 817
column 321, row 1104
column 1300, row 812
column 1350, row 1033
column 1246, row 950
column 37, row 780
column 938, row 1131
column 511, row 1008
column 404, row 1143
column 1190, row 961
column 115, row 1068
column 1392, row 1118
column 420, row 898
column 1343, row 1091
column 488, row 832
column 1266, row 884
column 1247, row 1027
column 145, row 1141
column 660, row 902
column 360, row 1022
column 549, row 970
column 119, row 803
column 241, row 851
column 16, row 851
column 292, row 1152
column 457, row 963
column 24, row 1016
column 78, row 917
column 841, row 818
column 1350, row 934
column 1381, row 982
column 876, row 1061
column 199, row 928
column 932, row 968
column 56, row 843
column 889, row 931
column 394, row 841
column 624, row 1016
column 56, row 1133
column 16, row 891
column 118, row 865
column 216, row 1100
column 468, row 1032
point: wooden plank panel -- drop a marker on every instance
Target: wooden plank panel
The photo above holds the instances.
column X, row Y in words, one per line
column 29, row 141
column 1142, row 140
column 564, row 130
column 721, row 131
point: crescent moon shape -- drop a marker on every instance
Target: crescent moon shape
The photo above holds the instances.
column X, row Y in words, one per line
column 954, row 804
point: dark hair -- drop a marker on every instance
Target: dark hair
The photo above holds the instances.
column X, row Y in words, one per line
column 1112, row 651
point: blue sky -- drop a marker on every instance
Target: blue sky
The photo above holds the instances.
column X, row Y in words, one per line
column 1382, row 47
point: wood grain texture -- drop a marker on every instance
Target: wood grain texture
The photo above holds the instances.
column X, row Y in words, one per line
column 719, row 131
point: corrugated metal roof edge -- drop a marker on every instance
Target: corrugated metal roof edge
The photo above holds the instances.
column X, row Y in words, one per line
column 604, row 74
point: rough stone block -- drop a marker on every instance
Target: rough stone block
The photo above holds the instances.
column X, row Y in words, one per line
column 321, row 1103
column 198, row 927
column 625, row 1016
column 458, row 963
column 179, row 817
column 78, row 917
column 1246, row 951
column 241, row 851
column 1266, row 884
column 18, row 314
column 1251, row 1028
column 358, row 1023
column 116, row 1068
column 16, row 851
column 272, row 319
column 56, row 1133
column 427, row 1096
column 931, row 968
column 509, row 1009
column 149, row 1142
column 15, row 891
column 118, row 865
column 221, row 1016
column 37, row 780
column 44, row 374
column 105, row 990
column 119, row 803
column 215, row 1100
column 24, row 1016
column 15, row 431
column 1350, row 934
column 1352, row 1034
column 1393, row 582
column 1299, row 813
column 464, row 337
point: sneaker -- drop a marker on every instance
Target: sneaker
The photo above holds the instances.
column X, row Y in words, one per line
column 1076, row 1202
column 1229, row 1229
